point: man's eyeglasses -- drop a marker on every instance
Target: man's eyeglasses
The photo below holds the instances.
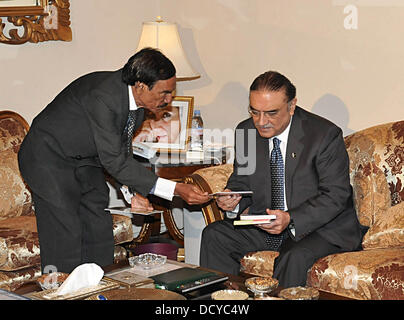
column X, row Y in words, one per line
column 267, row 114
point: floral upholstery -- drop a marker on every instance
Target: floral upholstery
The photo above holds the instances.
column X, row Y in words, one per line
column 19, row 245
column 216, row 177
column 377, row 173
column 260, row 263
column 18, row 202
column 376, row 274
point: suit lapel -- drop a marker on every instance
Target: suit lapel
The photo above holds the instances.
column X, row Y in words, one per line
column 293, row 152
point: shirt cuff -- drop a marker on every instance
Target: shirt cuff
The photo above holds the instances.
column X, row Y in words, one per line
column 232, row 214
column 127, row 194
column 164, row 188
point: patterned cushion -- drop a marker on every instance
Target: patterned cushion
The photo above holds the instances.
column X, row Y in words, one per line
column 122, row 228
column 19, row 245
column 387, row 232
column 259, row 263
column 12, row 280
column 216, row 176
column 370, row 274
column 15, row 198
column 376, row 159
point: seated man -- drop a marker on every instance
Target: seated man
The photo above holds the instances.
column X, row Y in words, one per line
column 296, row 164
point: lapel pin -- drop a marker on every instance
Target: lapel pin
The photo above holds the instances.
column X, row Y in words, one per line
column 293, row 154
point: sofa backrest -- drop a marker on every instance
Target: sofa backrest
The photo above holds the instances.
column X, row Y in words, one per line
column 15, row 198
column 376, row 157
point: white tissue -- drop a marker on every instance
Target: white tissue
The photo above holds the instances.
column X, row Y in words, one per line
column 83, row 276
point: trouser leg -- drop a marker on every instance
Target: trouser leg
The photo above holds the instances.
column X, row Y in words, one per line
column 69, row 237
column 59, row 236
column 296, row 258
column 96, row 223
column 223, row 245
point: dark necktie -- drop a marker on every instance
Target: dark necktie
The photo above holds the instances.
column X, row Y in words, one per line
column 277, row 185
column 130, row 128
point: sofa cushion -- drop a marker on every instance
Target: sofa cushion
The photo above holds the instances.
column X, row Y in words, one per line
column 216, row 176
column 260, row 263
column 19, row 244
column 15, row 198
column 122, row 229
column 376, row 157
column 370, row 274
column 387, row 231
column 12, row 280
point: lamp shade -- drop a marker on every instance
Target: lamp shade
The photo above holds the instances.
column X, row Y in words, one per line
column 165, row 37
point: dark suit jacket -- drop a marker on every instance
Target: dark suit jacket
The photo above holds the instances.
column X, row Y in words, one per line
column 318, row 190
column 83, row 125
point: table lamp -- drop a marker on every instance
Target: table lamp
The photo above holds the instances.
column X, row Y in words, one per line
column 164, row 36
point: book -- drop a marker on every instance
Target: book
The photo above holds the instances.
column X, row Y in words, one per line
column 125, row 211
column 185, row 279
column 243, row 193
column 254, row 219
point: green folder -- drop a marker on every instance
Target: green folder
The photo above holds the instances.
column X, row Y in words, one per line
column 172, row 280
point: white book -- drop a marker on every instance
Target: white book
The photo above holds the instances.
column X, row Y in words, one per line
column 229, row 193
column 125, row 211
column 258, row 217
column 254, row 219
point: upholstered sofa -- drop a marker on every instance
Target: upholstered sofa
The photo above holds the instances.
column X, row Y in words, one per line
column 19, row 246
column 377, row 176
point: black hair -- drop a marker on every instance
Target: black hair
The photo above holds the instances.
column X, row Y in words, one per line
column 274, row 81
column 148, row 66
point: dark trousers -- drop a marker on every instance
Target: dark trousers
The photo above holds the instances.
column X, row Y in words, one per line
column 69, row 237
column 223, row 245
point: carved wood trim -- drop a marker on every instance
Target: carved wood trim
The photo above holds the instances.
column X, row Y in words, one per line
column 49, row 21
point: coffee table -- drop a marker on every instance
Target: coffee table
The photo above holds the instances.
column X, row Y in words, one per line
column 234, row 282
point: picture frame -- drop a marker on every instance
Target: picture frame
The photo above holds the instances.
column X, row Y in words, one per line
column 170, row 131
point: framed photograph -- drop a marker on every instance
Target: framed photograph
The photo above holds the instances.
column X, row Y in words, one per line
column 169, row 131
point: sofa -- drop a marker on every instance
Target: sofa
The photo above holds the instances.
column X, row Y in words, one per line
column 376, row 157
column 19, row 245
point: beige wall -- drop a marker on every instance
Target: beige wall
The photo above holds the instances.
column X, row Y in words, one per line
column 353, row 77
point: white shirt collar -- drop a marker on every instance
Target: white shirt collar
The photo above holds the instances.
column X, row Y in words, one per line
column 283, row 137
column 132, row 102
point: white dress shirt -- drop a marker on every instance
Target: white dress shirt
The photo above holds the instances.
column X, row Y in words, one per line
column 283, row 137
column 163, row 188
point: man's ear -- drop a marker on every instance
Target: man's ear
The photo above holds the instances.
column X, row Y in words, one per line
column 292, row 106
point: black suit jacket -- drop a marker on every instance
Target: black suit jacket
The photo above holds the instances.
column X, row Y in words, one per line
column 318, row 190
column 83, row 125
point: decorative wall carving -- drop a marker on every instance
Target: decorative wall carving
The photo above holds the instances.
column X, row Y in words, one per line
column 49, row 20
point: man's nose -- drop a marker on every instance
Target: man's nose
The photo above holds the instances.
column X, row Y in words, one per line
column 261, row 119
column 168, row 98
